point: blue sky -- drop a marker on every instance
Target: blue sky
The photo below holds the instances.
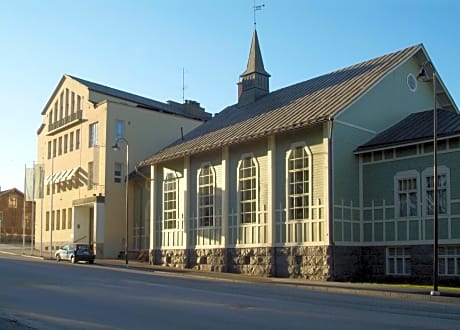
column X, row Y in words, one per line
column 143, row 46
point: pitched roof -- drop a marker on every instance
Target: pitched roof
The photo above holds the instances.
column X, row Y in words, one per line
column 414, row 128
column 299, row 105
column 140, row 100
column 255, row 62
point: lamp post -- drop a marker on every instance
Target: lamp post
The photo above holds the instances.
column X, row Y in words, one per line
column 423, row 76
column 117, row 147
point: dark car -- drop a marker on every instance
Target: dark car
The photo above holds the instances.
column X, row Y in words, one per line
column 75, row 252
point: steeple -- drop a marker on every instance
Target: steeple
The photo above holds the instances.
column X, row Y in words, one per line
column 254, row 81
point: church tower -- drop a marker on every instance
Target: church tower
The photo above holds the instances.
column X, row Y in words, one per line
column 254, row 82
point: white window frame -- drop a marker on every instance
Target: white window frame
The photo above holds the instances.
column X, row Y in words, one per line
column 118, row 172
column 398, row 261
column 309, row 178
column 449, row 254
column 170, row 177
column 200, row 207
column 442, row 171
column 255, row 211
column 93, row 140
column 119, row 129
column 406, row 175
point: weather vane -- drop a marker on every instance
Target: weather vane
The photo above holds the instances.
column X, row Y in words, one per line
column 256, row 8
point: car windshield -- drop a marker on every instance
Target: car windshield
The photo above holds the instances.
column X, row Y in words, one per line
column 82, row 247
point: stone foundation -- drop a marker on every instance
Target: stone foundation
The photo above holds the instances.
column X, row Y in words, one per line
column 318, row 263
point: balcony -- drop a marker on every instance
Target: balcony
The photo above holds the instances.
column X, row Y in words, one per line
column 69, row 120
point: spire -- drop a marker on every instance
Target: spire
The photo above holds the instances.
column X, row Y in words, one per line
column 254, row 81
column 255, row 62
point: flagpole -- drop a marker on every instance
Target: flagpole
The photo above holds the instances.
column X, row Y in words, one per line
column 24, row 210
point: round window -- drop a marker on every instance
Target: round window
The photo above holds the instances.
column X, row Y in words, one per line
column 411, row 82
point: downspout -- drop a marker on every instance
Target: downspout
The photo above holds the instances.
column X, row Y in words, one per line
column 331, row 197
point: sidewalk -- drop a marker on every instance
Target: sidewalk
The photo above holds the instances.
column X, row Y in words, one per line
column 371, row 289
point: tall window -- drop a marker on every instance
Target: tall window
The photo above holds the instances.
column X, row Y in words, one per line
column 170, row 202
column 119, row 129
column 298, row 184
column 407, row 197
column 206, row 197
column 64, row 219
column 69, row 218
column 58, row 220
column 49, row 149
column 54, row 147
column 71, row 141
column 118, row 172
column 398, row 261
column 93, row 134
column 66, row 142
column 47, row 221
column 442, row 194
column 90, row 175
column 77, row 139
column 248, row 190
column 60, row 146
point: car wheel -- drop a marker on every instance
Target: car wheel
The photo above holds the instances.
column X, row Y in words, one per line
column 58, row 257
column 72, row 259
column 91, row 262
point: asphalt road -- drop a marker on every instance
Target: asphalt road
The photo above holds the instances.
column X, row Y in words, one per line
column 46, row 295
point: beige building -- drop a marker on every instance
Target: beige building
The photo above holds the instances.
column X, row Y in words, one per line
column 84, row 189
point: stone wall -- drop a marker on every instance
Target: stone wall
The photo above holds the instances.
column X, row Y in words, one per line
column 169, row 258
column 306, row 262
column 211, row 260
column 257, row 261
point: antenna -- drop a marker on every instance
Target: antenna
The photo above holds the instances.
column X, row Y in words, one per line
column 183, row 85
column 256, row 8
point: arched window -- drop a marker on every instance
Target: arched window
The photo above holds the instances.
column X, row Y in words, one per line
column 170, row 201
column 247, row 187
column 206, row 193
column 298, row 183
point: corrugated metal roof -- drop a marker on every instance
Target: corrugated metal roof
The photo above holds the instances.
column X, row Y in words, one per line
column 299, row 105
column 140, row 100
column 415, row 127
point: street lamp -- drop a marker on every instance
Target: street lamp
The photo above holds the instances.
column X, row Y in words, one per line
column 117, row 147
column 423, row 76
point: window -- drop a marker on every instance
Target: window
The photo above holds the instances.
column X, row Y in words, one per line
column 78, row 102
column 64, row 219
column 66, row 143
column 206, row 197
column 54, row 147
column 93, row 134
column 49, row 149
column 77, row 139
column 69, row 218
column 247, row 186
column 298, row 181
column 449, row 260
column 61, row 105
column 71, row 141
column 72, row 102
column 90, row 175
column 47, row 221
column 13, row 201
column 170, row 202
column 398, row 261
column 117, row 173
column 442, row 194
column 52, row 219
column 60, row 146
column 58, row 220
column 119, row 129
column 407, row 197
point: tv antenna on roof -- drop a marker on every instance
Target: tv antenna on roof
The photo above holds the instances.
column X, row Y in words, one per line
column 256, row 8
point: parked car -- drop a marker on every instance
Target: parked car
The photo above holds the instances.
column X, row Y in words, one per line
column 75, row 252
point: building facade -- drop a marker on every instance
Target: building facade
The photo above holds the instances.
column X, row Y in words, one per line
column 14, row 226
column 84, row 186
column 271, row 186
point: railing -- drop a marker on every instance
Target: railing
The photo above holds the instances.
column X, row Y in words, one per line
column 76, row 116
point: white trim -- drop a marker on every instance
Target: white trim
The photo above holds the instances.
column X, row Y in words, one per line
column 402, row 176
column 355, row 126
column 213, row 172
